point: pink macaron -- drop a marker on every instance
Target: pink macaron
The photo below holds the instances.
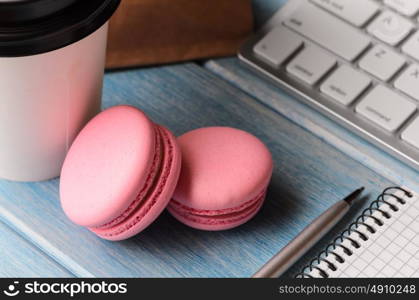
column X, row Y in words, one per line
column 224, row 177
column 120, row 173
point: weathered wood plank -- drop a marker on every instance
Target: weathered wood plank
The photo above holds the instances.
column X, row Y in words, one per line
column 20, row 258
column 309, row 175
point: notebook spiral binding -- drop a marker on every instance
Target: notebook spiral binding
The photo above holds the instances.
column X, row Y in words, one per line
column 353, row 227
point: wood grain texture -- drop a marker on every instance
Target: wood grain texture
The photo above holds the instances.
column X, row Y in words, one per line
column 316, row 163
column 21, row 259
column 167, row 31
column 309, row 175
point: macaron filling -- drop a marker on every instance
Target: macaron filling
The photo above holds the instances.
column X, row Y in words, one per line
column 149, row 193
column 221, row 216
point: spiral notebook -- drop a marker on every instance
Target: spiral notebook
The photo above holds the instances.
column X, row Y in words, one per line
column 382, row 242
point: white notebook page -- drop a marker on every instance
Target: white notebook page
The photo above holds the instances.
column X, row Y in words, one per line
column 392, row 251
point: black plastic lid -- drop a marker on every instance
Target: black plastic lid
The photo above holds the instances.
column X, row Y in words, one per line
column 29, row 27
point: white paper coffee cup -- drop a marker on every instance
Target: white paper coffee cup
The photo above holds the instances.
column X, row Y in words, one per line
column 51, row 74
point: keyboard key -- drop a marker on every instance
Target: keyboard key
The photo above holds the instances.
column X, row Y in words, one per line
column 405, row 7
column 386, row 108
column 390, row 28
column 355, row 12
column 411, row 134
column 328, row 31
column 382, row 62
column 411, row 47
column 408, row 82
column 311, row 65
column 345, row 85
column 277, row 46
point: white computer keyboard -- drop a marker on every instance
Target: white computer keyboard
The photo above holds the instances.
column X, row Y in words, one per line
column 355, row 60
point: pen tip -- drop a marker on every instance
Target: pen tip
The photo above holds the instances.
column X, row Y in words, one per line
column 350, row 199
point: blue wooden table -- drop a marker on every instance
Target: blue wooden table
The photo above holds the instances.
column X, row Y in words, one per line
column 316, row 163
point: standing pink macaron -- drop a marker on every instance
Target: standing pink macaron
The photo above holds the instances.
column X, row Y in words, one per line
column 224, row 177
column 119, row 174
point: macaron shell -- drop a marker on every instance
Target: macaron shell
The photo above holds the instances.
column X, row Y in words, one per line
column 222, row 168
column 107, row 165
column 217, row 223
column 158, row 199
